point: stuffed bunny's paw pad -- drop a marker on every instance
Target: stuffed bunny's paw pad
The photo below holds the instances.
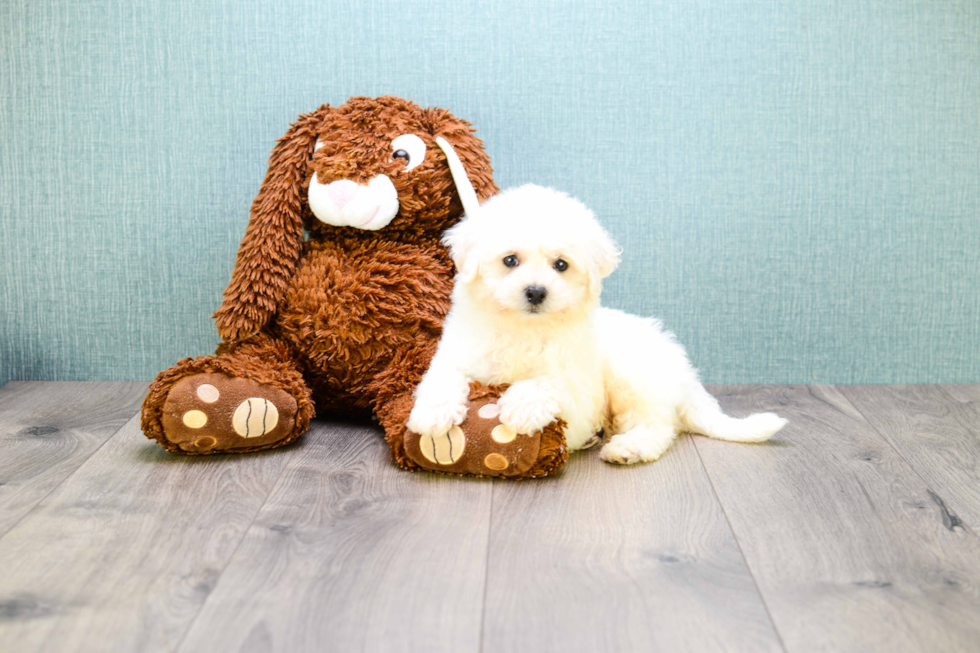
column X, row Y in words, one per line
column 481, row 445
column 212, row 412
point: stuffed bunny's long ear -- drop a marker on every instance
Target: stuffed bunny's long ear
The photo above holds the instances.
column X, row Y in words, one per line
column 462, row 238
column 462, row 180
column 273, row 241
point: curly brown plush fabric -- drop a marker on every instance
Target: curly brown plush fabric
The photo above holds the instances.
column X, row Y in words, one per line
column 346, row 317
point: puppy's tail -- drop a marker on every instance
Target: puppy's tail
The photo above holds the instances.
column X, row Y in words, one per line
column 701, row 414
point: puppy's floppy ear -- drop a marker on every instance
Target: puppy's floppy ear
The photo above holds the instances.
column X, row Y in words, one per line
column 273, row 241
column 462, row 240
column 604, row 252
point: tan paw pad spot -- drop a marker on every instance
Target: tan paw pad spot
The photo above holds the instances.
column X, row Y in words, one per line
column 194, row 419
column 207, row 442
column 488, row 411
column 496, row 462
column 503, row 434
column 443, row 449
column 208, row 393
column 255, row 417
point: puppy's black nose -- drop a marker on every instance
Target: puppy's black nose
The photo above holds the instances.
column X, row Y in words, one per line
column 535, row 294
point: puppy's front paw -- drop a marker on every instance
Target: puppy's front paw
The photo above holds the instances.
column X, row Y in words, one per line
column 527, row 408
column 432, row 419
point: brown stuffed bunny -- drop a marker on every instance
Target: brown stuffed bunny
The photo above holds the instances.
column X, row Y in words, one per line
column 350, row 317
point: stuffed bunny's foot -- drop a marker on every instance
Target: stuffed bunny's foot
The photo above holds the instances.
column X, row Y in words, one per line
column 481, row 445
column 214, row 412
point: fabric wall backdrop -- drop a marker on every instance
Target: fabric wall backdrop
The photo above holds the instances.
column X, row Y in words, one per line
column 796, row 184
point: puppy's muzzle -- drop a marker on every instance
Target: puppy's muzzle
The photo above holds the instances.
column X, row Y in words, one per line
column 535, row 295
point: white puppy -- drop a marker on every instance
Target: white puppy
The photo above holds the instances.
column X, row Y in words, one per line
column 526, row 312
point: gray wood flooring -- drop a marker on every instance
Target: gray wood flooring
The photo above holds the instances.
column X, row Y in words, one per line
column 854, row 530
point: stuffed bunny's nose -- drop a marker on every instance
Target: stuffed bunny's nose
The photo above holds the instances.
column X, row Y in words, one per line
column 346, row 203
column 341, row 192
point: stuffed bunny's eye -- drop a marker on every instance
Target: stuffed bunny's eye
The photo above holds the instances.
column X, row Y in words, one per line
column 409, row 147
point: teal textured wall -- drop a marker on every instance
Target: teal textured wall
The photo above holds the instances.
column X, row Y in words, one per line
column 796, row 184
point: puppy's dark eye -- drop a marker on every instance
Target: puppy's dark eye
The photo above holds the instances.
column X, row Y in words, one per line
column 561, row 265
column 510, row 261
column 400, row 154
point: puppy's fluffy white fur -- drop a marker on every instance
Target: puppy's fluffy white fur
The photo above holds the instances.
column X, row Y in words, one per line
column 598, row 369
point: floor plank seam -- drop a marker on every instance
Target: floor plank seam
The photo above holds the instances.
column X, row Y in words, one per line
column 65, row 479
column 940, row 502
column 731, row 529
column 486, row 565
column 231, row 557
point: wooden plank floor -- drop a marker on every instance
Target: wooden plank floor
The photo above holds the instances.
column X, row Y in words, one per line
column 854, row 530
